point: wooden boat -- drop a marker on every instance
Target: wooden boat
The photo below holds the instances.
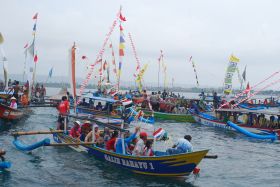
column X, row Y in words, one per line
column 212, row 121
column 137, row 100
column 164, row 116
column 112, row 115
column 8, row 113
column 168, row 165
column 266, row 103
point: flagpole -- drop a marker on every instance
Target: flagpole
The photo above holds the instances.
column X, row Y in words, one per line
column 159, row 66
column 34, row 37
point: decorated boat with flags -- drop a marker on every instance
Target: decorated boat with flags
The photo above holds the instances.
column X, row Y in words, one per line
column 159, row 165
column 112, row 111
column 248, row 122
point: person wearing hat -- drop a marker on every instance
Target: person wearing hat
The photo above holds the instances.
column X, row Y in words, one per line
column 13, row 103
column 85, row 129
column 75, row 131
column 140, row 145
column 183, row 145
column 90, row 134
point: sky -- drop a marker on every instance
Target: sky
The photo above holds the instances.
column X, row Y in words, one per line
column 208, row 30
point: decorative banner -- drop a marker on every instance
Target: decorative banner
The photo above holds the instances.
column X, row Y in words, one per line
column 159, row 61
column 195, row 72
column 99, row 56
column 251, row 88
column 138, row 67
column 140, row 77
column 229, row 73
column 121, row 50
column 72, row 69
column 113, row 59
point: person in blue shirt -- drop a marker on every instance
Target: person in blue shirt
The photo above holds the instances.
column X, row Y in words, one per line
column 127, row 141
column 183, row 145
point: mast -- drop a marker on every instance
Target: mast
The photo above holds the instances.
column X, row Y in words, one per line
column 5, row 64
column 159, row 60
column 121, row 47
column 72, row 68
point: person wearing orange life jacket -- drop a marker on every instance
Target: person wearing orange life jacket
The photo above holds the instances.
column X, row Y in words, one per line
column 24, row 99
column 63, row 110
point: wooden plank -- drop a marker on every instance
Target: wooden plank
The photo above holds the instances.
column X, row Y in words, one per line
column 36, row 132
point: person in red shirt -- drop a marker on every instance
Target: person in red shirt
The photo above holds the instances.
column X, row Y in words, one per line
column 63, row 110
column 110, row 145
column 75, row 132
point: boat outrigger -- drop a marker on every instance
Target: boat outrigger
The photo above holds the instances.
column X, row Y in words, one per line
column 254, row 124
column 158, row 165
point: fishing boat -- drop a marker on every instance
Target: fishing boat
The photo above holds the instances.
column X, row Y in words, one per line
column 111, row 113
column 169, row 165
column 10, row 114
column 249, row 125
column 158, row 165
column 265, row 103
column 163, row 116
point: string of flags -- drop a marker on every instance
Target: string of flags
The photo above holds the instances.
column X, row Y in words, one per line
column 195, row 72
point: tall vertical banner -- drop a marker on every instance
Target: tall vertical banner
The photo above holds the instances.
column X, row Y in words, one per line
column 194, row 69
column 113, row 59
column 121, row 49
column 5, row 62
column 72, row 71
column 229, row 73
column 140, row 77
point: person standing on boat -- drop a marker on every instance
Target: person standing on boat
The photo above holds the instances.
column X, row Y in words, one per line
column 24, row 99
column 127, row 141
column 13, row 103
column 183, row 145
column 140, row 145
column 63, row 109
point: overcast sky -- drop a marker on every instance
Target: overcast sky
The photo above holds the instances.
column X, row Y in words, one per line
column 208, row 30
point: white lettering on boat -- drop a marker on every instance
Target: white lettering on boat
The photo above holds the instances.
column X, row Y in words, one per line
column 129, row 163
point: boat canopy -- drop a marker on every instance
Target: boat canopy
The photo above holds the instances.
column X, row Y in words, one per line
column 109, row 100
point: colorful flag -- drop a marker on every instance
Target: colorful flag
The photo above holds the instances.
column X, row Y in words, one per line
column 84, row 57
column 50, row 72
column 244, row 74
column 31, row 49
column 36, row 58
column 232, row 66
column 233, row 59
column 105, row 65
column 122, row 18
column 26, row 45
column 35, row 16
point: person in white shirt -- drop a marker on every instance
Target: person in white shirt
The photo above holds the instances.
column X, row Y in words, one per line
column 13, row 103
column 139, row 149
column 183, row 145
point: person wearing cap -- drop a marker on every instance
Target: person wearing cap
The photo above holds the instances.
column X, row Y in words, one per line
column 127, row 140
column 140, row 145
column 85, row 129
column 13, row 103
column 96, row 134
column 183, row 145
column 75, row 132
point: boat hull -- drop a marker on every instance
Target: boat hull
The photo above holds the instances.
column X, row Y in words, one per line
column 171, row 165
column 173, row 117
column 7, row 113
column 208, row 120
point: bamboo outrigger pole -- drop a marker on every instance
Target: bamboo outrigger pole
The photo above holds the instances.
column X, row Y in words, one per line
column 36, row 132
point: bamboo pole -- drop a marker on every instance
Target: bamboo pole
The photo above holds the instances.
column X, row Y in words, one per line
column 69, row 144
column 36, row 132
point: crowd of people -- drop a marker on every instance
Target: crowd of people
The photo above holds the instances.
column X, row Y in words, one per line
column 136, row 143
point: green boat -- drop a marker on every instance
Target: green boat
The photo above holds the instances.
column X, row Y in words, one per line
column 162, row 116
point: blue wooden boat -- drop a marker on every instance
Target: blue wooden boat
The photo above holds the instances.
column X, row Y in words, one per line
column 168, row 165
column 248, row 130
